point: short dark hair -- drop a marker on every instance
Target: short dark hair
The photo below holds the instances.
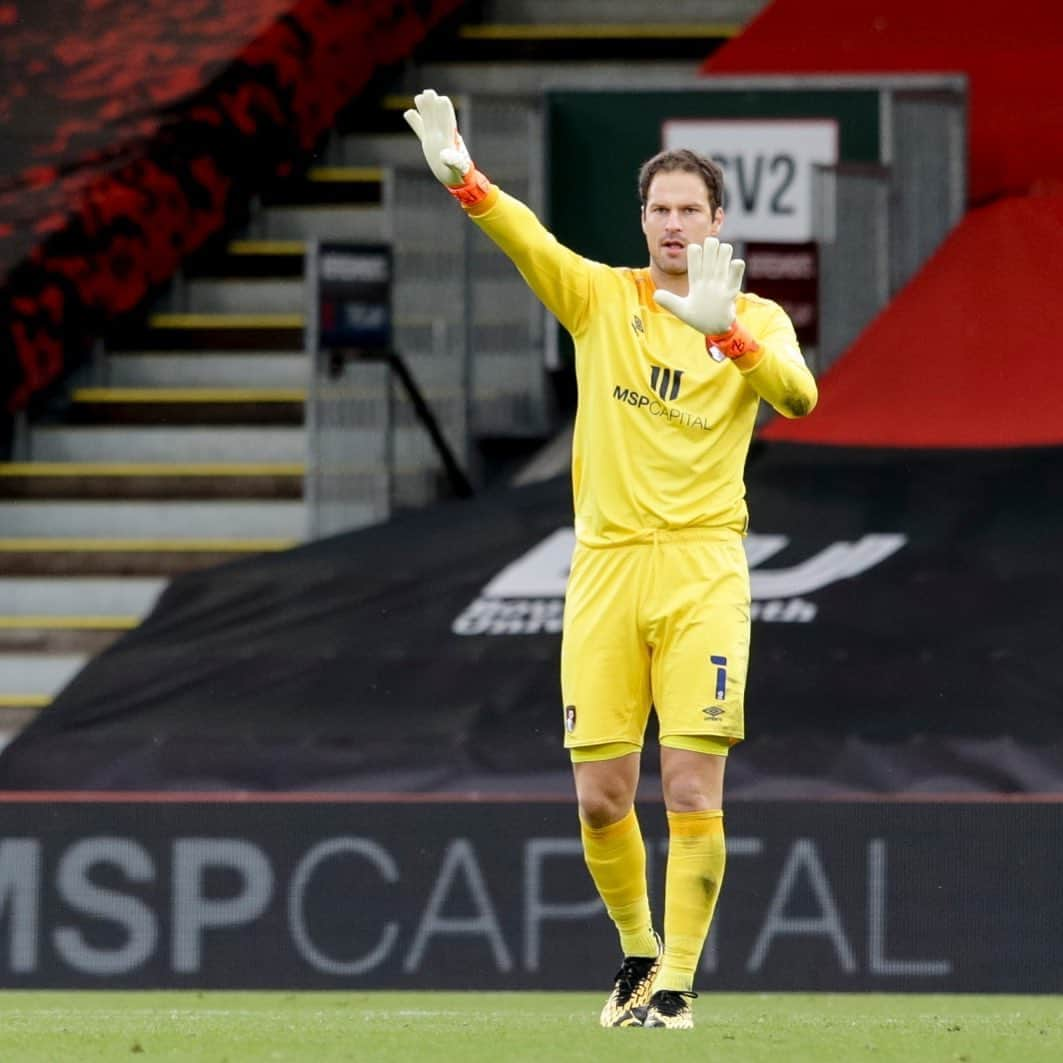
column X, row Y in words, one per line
column 683, row 160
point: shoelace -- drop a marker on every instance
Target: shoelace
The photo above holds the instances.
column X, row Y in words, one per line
column 670, row 1001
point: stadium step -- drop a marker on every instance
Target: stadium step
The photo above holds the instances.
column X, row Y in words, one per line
column 89, row 599
column 182, row 369
column 385, row 121
column 121, row 557
column 28, row 683
column 56, row 480
column 187, row 406
column 71, row 615
column 583, row 41
column 226, row 450
column 265, row 274
column 265, row 259
column 527, row 79
column 238, row 295
column 23, row 674
column 626, row 11
column 344, row 186
column 363, row 224
column 151, row 507
column 16, row 711
column 329, row 203
column 62, row 634
column 136, row 444
column 227, row 332
column 392, row 148
column 152, row 519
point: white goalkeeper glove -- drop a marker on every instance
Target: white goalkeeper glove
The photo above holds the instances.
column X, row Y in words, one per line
column 432, row 119
column 709, row 306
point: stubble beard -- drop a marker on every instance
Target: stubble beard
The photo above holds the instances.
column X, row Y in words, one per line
column 670, row 268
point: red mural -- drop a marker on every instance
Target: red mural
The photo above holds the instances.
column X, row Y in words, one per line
column 84, row 83
column 140, row 128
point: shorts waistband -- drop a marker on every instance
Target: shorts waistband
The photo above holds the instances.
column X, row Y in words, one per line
column 656, row 536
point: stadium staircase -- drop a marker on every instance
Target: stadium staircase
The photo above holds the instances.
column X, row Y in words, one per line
column 184, row 443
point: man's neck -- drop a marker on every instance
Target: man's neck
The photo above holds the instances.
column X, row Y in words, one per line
column 670, row 282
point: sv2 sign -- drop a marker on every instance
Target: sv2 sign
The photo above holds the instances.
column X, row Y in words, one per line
column 768, row 167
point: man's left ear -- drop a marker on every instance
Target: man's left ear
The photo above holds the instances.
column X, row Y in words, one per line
column 717, row 221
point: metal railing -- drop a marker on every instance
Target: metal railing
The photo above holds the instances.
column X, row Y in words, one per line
column 852, row 213
column 388, row 428
column 878, row 225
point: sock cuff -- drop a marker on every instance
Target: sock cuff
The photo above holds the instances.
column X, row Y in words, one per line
column 694, row 823
column 611, row 831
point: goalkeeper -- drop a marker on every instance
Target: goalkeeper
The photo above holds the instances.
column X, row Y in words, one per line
column 672, row 361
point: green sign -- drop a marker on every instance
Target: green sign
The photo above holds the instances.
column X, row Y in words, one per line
column 598, row 140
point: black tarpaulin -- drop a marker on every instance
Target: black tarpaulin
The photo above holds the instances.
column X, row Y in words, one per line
column 905, row 639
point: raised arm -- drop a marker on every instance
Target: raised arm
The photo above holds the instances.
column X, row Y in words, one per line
column 557, row 275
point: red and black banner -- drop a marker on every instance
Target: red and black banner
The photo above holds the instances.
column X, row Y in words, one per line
column 139, row 130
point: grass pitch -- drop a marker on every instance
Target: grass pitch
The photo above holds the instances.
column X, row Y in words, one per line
column 225, row 1027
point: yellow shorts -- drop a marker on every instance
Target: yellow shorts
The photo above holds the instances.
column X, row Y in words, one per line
column 663, row 625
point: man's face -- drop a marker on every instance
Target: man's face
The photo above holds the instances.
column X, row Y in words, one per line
column 677, row 213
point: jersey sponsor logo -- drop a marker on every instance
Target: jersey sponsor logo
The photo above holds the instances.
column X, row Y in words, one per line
column 666, row 382
column 527, row 597
column 656, row 408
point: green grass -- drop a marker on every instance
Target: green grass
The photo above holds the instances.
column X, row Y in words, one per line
column 520, row 1028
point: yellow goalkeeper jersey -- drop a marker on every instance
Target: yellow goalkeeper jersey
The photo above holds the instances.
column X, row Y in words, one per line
column 662, row 427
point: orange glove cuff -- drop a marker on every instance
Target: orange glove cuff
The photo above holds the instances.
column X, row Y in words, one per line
column 473, row 189
column 733, row 343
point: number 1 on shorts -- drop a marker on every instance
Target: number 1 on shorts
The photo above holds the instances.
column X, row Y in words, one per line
column 721, row 677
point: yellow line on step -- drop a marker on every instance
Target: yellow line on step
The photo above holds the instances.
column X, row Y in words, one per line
column 79, row 623
column 599, row 31
column 267, row 247
column 58, row 468
column 226, row 321
column 353, row 174
column 399, row 102
column 25, row 701
column 190, row 546
column 189, row 394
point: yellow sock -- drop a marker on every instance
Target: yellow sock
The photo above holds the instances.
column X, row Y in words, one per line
column 616, row 859
column 696, row 858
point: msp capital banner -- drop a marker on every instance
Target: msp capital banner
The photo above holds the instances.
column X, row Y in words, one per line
column 351, row 894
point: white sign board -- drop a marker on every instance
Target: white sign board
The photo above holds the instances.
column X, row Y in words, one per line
column 767, row 167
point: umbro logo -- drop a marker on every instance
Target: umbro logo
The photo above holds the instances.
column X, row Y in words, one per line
column 666, row 382
column 637, row 327
column 713, row 712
